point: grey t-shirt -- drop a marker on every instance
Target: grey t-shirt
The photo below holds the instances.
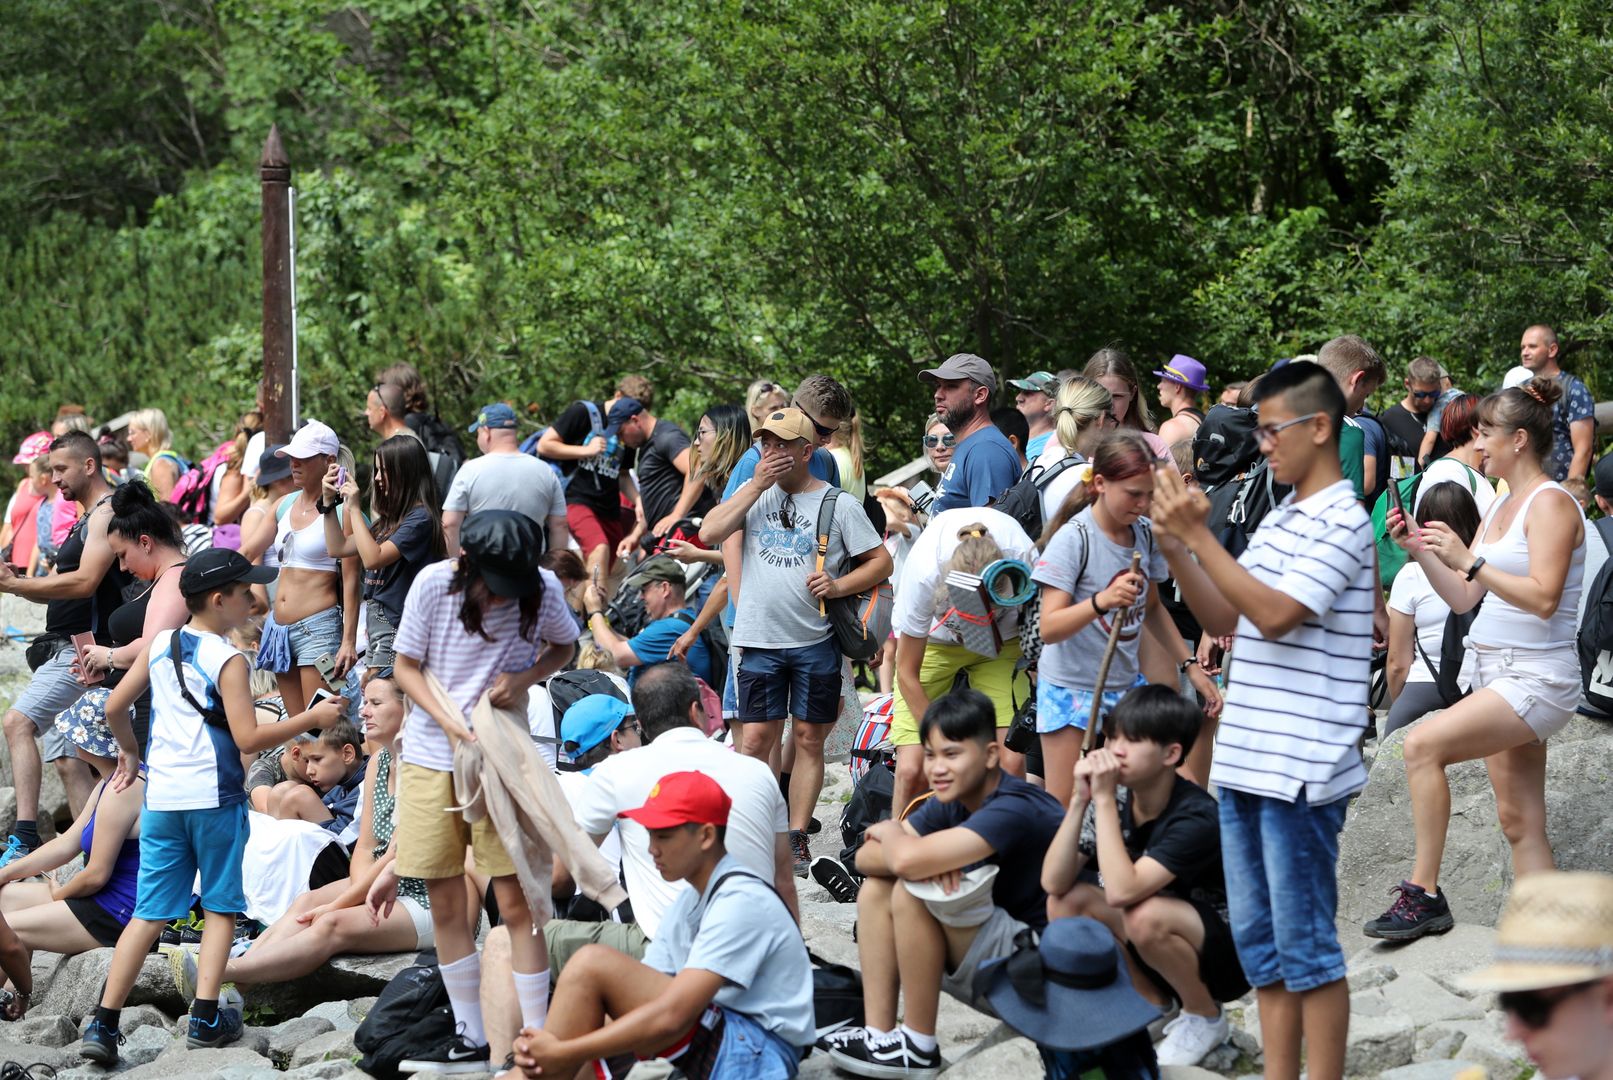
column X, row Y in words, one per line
column 776, row 610
column 1073, row 662
column 507, row 482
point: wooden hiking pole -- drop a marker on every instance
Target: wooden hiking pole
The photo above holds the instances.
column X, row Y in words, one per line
column 1091, row 732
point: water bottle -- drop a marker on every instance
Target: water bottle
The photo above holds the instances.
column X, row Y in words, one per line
column 612, row 445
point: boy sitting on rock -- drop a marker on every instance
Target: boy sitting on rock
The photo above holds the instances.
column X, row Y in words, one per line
column 335, row 764
column 929, row 875
column 1159, row 887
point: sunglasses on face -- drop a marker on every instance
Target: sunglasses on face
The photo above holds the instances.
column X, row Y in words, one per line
column 823, row 431
column 1422, row 394
column 1533, row 1008
column 932, row 441
column 1267, row 433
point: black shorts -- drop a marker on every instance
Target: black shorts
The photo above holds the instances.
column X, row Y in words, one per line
column 1219, row 969
column 101, row 923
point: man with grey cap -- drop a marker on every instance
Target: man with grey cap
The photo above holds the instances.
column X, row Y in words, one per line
column 503, row 478
column 984, row 464
column 661, row 580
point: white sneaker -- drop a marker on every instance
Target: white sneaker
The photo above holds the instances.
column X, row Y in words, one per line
column 1189, row 1038
column 1156, row 1030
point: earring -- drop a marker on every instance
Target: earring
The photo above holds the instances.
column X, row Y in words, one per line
column 1517, row 449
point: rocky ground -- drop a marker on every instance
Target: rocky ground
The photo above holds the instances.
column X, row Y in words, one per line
column 1409, row 1021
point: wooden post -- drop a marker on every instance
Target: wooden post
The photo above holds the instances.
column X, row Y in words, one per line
column 275, row 172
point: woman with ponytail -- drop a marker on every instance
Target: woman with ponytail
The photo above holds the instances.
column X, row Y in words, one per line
column 930, row 651
column 1527, row 567
column 1087, row 584
column 1082, row 411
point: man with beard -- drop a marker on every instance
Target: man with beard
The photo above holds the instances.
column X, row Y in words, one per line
column 79, row 599
column 985, row 463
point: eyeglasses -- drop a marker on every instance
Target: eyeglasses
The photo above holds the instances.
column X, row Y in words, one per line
column 1533, row 1008
column 823, row 431
column 1267, row 433
column 1421, row 394
column 932, row 441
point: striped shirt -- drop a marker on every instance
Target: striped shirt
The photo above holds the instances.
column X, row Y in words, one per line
column 1296, row 706
column 467, row 664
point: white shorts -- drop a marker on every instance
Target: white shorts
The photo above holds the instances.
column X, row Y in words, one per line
column 1541, row 685
column 425, row 935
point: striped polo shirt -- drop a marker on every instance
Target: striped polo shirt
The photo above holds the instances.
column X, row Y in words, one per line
column 1296, row 705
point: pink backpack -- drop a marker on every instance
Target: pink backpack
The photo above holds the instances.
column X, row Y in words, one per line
column 194, row 490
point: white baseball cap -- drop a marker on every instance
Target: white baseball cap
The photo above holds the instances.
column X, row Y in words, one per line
column 1516, row 377
column 311, row 440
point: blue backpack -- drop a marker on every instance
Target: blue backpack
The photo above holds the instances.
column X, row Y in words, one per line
column 596, row 428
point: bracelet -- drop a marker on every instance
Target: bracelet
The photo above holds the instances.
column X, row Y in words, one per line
column 331, row 509
column 1185, row 664
column 1097, row 607
column 110, row 666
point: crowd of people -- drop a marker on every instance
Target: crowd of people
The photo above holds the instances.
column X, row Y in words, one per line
column 304, row 703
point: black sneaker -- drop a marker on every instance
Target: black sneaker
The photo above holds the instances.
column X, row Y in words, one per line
column 835, row 878
column 186, row 931
column 101, row 1044
column 1411, row 916
column 454, row 1054
column 884, row 1055
column 803, row 851
column 814, row 826
column 224, row 1029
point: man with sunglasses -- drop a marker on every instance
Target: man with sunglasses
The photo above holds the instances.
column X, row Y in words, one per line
column 1553, row 972
column 1406, row 421
column 984, row 464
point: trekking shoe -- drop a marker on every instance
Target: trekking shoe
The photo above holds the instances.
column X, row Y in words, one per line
column 884, row 1055
column 101, row 1044
column 803, row 851
column 224, row 1029
column 834, row 877
column 186, row 931
column 182, row 962
column 1411, row 916
column 14, row 850
column 1189, row 1038
column 453, row 1055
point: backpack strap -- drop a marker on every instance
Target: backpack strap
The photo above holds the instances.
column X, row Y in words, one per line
column 1048, row 472
column 594, row 419
column 284, row 506
column 826, row 517
column 211, row 717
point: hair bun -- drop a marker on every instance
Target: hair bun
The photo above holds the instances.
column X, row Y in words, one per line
column 132, row 496
column 1546, row 391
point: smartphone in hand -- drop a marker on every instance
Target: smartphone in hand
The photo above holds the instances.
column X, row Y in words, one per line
column 326, row 664
column 83, row 643
column 321, row 695
column 341, row 477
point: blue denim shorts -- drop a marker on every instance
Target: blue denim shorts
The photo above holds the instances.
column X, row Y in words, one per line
column 778, row 683
column 176, row 846
column 1061, row 706
column 1281, row 862
column 319, row 633
column 751, row 1052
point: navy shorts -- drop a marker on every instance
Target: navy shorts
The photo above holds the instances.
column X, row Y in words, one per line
column 803, row 683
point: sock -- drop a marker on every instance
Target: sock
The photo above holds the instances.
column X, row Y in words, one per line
column 27, row 832
column 919, row 1040
column 463, row 981
column 783, row 786
column 533, row 993
column 108, row 1017
column 205, row 1010
column 877, row 1033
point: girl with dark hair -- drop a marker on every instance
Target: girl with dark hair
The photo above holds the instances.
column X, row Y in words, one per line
column 1087, row 584
column 1417, row 614
column 406, row 537
column 1112, row 369
column 721, row 439
column 1526, row 565
column 490, row 621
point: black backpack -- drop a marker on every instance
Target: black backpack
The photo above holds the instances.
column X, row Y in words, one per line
column 1023, row 500
column 1224, row 446
column 443, row 449
column 1238, row 506
column 1452, row 651
column 411, row 1018
column 1596, row 637
column 870, row 802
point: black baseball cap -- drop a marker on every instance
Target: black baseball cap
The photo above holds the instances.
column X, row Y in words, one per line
column 273, row 465
column 505, row 545
column 214, row 568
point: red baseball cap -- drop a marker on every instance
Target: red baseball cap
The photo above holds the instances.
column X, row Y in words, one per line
column 683, row 798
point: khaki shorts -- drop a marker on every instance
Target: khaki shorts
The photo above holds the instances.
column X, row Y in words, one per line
column 432, row 839
column 564, row 937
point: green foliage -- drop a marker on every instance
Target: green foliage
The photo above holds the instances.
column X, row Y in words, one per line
column 525, row 199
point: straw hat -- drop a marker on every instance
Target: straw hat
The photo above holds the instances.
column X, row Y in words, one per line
column 1556, row 930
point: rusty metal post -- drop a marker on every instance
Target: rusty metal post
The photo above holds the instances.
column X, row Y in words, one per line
column 278, row 394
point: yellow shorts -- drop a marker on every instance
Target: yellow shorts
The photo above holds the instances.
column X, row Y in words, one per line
column 992, row 676
column 432, row 839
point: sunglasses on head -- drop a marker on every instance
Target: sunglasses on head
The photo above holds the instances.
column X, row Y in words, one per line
column 1533, row 1008
column 823, row 430
column 932, row 441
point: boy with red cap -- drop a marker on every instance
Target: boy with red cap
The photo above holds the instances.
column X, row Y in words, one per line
column 725, row 988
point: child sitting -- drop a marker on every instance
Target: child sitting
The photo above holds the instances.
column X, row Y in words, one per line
column 195, row 817
column 1157, row 846
column 276, row 771
column 334, row 764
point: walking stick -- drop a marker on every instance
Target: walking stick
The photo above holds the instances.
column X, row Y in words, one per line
column 1103, row 669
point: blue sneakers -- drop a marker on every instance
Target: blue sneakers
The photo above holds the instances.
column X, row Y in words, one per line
column 225, row 1029
column 15, row 849
column 101, row 1043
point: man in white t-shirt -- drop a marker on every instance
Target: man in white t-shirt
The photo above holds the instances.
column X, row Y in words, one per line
column 503, row 478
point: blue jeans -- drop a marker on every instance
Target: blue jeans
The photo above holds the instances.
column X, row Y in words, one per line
column 750, row 1052
column 1281, row 863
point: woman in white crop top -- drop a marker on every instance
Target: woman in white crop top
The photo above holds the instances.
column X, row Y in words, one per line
column 1526, row 567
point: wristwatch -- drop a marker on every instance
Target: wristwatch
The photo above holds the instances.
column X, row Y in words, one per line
column 331, row 509
column 1185, row 664
column 1473, row 570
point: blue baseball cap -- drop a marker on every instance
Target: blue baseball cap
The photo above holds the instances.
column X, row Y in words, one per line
column 496, row 415
column 591, row 721
column 621, row 412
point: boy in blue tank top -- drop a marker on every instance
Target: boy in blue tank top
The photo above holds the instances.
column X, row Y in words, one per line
column 195, row 816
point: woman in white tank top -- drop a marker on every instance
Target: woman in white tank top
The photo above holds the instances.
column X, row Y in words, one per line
column 1527, row 567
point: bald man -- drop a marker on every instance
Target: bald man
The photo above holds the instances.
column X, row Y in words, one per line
column 1574, row 416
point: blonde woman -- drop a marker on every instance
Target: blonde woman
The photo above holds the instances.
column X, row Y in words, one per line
column 149, row 435
column 846, row 444
column 762, row 397
column 1082, row 411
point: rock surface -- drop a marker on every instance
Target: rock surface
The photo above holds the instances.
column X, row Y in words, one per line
column 1376, row 849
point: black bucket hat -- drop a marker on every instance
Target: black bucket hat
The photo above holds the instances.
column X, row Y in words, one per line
column 505, row 545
